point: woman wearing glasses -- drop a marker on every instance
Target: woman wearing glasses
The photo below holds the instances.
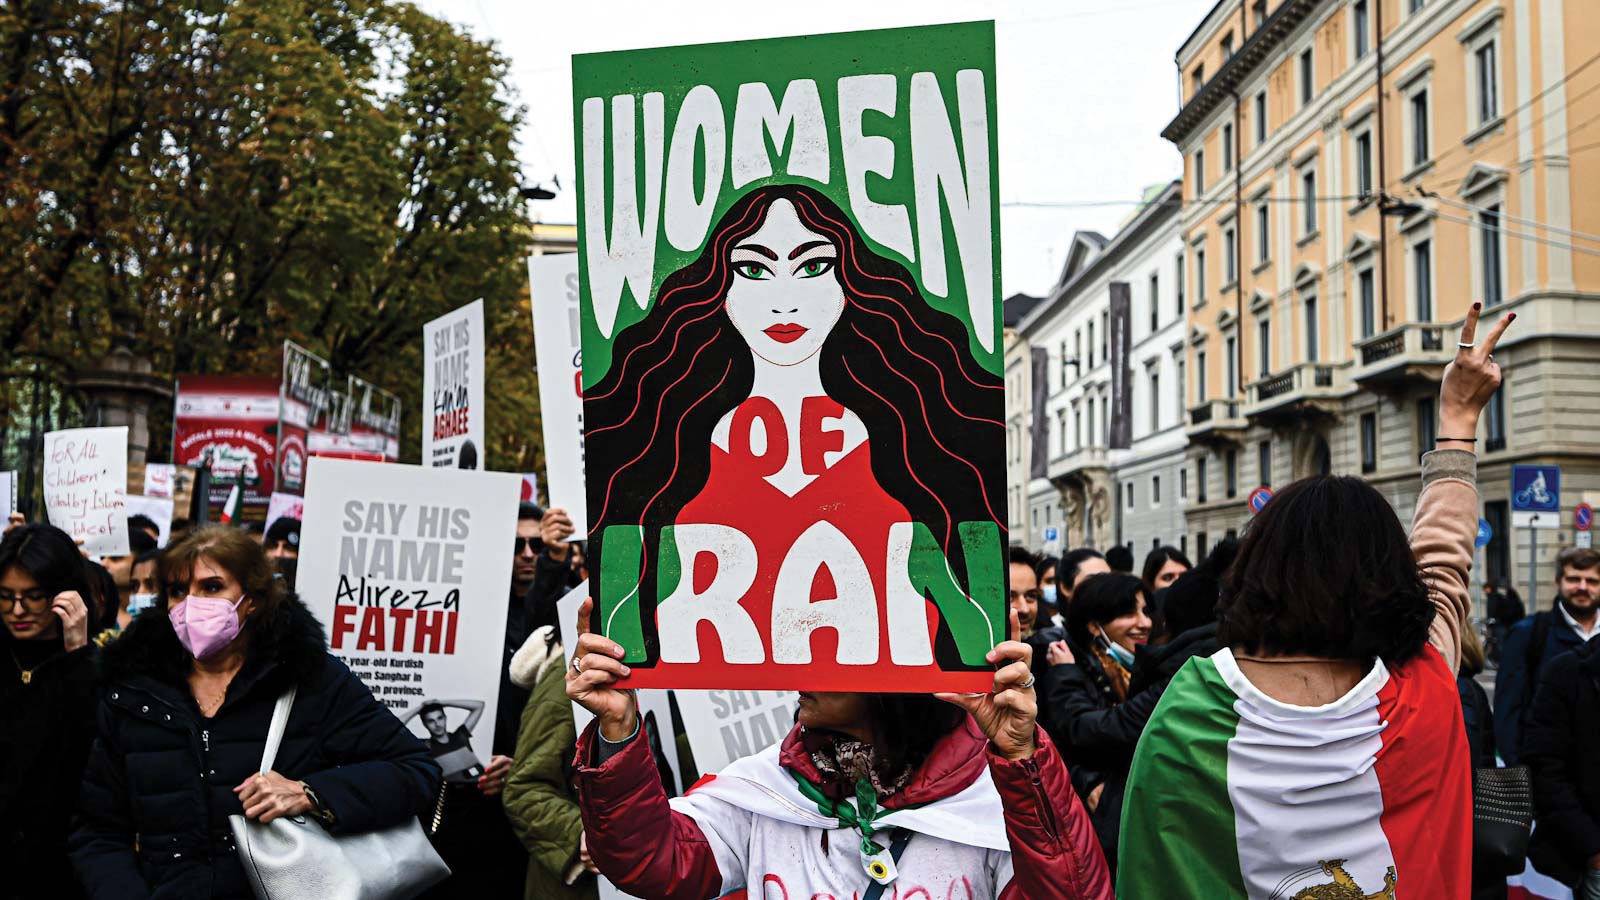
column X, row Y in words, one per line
column 46, row 705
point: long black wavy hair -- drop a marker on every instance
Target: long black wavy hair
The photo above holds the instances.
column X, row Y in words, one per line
column 932, row 414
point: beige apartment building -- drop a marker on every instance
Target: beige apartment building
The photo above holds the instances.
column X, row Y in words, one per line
column 1356, row 174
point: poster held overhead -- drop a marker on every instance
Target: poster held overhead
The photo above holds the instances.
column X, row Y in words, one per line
column 557, row 344
column 86, row 487
column 452, row 389
column 8, row 495
column 157, row 509
column 793, row 402
column 405, row 567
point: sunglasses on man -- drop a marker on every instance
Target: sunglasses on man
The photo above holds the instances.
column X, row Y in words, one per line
column 525, row 544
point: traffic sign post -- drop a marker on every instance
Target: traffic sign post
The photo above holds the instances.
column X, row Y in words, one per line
column 1485, row 534
column 1259, row 498
column 1583, row 520
column 1535, row 504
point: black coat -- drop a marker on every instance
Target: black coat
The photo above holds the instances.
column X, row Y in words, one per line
column 153, row 815
column 1562, row 739
column 46, row 727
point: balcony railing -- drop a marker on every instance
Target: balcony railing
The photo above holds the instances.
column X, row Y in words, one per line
column 1087, row 457
column 1306, row 381
column 1214, row 416
column 1392, row 353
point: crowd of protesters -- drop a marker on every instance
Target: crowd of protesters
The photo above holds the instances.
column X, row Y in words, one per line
column 144, row 686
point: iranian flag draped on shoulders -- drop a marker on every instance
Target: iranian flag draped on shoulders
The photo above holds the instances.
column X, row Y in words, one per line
column 1236, row 794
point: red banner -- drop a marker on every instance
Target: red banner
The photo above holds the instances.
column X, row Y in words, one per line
column 229, row 423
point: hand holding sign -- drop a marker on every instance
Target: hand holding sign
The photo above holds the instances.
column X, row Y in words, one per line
column 595, row 668
column 1006, row 715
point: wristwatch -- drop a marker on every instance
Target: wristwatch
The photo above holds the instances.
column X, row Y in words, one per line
column 319, row 810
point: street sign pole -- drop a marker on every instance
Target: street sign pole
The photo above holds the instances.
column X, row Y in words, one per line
column 1533, row 561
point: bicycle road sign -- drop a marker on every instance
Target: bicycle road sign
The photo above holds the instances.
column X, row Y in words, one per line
column 1536, row 497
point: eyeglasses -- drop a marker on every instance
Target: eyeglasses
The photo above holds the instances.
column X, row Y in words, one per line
column 524, row 544
column 35, row 601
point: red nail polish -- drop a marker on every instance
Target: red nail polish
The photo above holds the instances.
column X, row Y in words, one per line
column 1513, row 318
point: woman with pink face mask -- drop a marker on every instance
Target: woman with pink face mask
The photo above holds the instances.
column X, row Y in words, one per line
column 188, row 696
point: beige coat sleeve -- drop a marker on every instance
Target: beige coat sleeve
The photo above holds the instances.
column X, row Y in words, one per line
column 1442, row 539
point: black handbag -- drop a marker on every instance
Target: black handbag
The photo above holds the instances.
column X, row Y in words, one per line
column 1502, row 818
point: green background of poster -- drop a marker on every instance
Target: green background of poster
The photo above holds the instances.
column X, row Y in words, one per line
column 673, row 71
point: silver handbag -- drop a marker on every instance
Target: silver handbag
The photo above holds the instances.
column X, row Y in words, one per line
column 293, row 858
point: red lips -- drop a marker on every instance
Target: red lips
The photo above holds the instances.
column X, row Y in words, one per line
column 785, row 333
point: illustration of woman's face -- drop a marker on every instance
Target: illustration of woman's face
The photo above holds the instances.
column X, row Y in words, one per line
column 785, row 297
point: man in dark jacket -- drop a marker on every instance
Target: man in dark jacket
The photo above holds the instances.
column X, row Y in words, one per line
column 1535, row 642
column 1563, row 734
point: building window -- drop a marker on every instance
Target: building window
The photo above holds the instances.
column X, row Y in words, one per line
column 1183, row 484
column 1199, row 276
column 1155, row 402
column 1105, row 336
column 1261, row 118
column 1369, row 442
column 1091, row 344
column 1198, row 79
column 1363, row 163
column 1308, row 201
column 1155, row 302
column 1155, row 489
column 1487, row 81
column 1427, row 428
column 1232, row 365
column 1366, row 287
column 1264, row 462
column 1489, row 253
column 1422, row 279
column 1263, row 233
column 1313, row 331
column 1177, row 270
column 1200, row 478
column 1199, row 172
column 1415, row 5
column 1200, row 376
column 1359, row 17
column 1105, row 421
column 1077, row 348
column 1127, row 495
column 1264, row 340
column 1230, row 472
column 1308, row 71
column 1420, row 151
column 1230, row 269
column 1260, row 9
column 1077, row 426
column 1093, row 432
column 1227, row 46
column 1064, row 359
column 1063, row 419
column 1227, row 148
column 1496, row 422
column 1200, row 545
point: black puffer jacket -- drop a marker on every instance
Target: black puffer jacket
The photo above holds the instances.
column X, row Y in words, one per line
column 1563, row 732
column 153, row 815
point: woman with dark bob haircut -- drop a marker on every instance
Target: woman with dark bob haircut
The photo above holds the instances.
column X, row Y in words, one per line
column 189, row 693
column 1322, row 747
column 46, row 706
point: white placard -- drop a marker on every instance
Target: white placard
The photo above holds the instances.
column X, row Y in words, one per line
column 159, row 509
column 725, row 725
column 159, row 479
column 406, row 568
column 553, row 287
column 86, row 487
column 452, row 389
column 8, row 496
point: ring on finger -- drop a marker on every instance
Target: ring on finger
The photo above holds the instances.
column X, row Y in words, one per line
column 577, row 664
column 1029, row 683
column 1464, row 345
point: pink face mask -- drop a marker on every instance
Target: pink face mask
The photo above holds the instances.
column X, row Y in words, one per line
column 205, row 625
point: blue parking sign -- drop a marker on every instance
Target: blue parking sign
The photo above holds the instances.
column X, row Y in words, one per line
column 1536, row 496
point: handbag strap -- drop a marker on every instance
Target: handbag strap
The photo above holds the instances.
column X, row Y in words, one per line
column 280, row 721
column 896, row 847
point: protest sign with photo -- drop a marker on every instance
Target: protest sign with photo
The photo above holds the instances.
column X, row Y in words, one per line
column 790, row 323
column 557, row 344
column 304, row 395
column 229, row 423
column 157, row 509
column 86, row 487
column 452, row 389
column 406, row 567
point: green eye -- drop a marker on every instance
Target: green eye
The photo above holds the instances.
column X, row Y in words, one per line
column 752, row 270
column 815, row 268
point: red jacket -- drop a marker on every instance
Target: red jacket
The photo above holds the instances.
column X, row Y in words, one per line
column 651, row 850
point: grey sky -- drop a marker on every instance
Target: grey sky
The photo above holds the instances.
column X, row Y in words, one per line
column 1084, row 86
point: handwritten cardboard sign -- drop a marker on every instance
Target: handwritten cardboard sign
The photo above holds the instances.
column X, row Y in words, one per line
column 86, row 487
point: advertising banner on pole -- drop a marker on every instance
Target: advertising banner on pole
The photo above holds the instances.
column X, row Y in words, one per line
column 791, row 335
column 406, row 568
column 86, row 487
column 228, row 422
column 553, row 287
column 375, row 418
column 1120, row 321
column 452, row 389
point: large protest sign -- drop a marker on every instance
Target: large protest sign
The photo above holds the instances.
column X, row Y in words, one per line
column 793, row 406
column 553, row 287
column 406, row 567
column 304, row 393
column 86, row 487
column 229, row 423
column 452, row 389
